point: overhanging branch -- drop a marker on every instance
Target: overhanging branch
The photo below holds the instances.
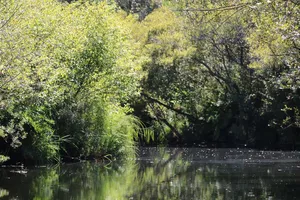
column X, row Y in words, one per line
column 179, row 111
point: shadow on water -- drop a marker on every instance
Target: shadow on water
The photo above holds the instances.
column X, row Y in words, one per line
column 164, row 173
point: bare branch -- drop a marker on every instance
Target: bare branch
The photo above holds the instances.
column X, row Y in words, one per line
column 10, row 17
column 179, row 111
column 224, row 8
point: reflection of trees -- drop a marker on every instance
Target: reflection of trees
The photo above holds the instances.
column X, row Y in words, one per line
column 163, row 174
column 172, row 177
column 257, row 181
column 38, row 184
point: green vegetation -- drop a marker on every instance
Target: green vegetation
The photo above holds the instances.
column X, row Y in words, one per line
column 65, row 71
column 222, row 73
column 85, row 79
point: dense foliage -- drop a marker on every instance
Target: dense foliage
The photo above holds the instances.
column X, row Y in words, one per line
column 65, row 70
column 222, row 73
column 74, row 74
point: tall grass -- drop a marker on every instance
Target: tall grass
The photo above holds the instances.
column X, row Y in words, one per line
column 111, row 131
column 98, row 129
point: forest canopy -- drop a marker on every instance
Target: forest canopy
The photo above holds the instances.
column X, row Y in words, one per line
column 92, row 79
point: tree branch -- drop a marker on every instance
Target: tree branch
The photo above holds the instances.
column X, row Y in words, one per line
column 224, row 8
column 218, row 76
column 10, row 17
column 179, row 111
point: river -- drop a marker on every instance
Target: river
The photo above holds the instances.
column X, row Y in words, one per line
column 163, row 173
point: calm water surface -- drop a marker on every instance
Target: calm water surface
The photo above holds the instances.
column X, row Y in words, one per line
column 163, row 173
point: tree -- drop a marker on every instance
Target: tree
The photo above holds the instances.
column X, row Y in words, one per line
column 225, row 89
column 65, row 60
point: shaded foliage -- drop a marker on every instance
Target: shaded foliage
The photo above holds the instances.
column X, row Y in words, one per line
column 235, row 81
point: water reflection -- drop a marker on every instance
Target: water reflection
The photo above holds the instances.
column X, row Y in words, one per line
column 164, row 174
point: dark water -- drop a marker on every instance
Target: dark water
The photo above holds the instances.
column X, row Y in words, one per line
column 164, row 173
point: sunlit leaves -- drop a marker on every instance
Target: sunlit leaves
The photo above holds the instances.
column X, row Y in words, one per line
column 275, row 35
column 54, row 54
